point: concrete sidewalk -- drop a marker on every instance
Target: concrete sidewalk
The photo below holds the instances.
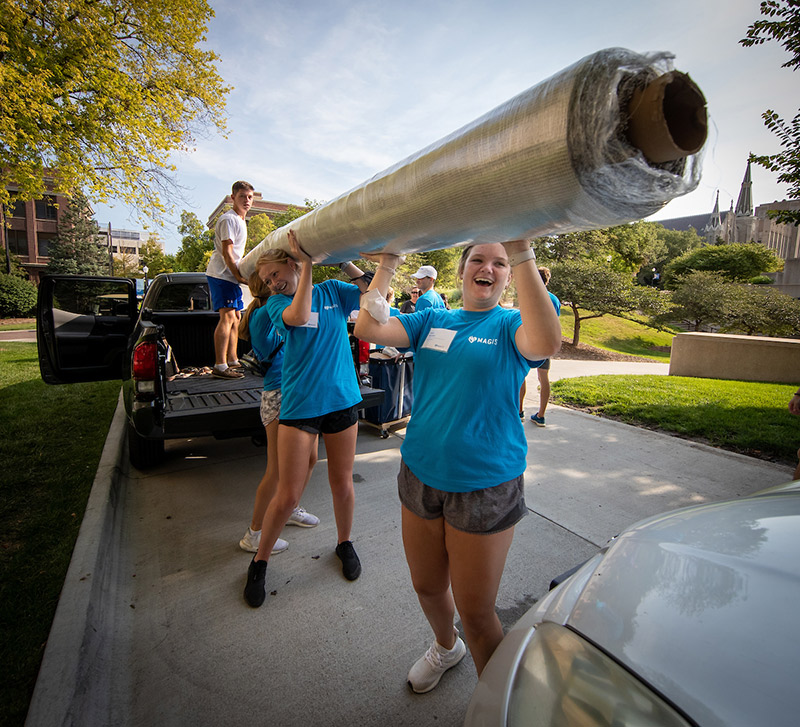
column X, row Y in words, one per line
column 152, row 627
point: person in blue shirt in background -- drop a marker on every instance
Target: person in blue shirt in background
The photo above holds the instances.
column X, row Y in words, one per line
column 320, row 394
column 429, row 298
column 465, row 453
column 255, row 326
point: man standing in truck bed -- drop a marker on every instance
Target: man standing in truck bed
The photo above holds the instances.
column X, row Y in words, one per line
column 230, row 238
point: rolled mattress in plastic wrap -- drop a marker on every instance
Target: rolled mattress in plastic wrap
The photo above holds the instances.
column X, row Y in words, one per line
column 606, row 141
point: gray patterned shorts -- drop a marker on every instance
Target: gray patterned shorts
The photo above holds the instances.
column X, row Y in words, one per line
column 486, row 511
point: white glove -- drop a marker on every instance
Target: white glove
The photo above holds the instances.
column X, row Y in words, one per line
column 376, row 305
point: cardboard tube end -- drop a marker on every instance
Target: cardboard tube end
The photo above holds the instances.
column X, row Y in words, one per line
column 667, row 119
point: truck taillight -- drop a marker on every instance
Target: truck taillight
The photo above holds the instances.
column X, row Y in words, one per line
column 145, row 361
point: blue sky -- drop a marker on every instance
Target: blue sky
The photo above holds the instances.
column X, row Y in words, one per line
column 329, row 92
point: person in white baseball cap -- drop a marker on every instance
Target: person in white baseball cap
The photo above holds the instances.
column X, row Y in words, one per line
column 426, row 277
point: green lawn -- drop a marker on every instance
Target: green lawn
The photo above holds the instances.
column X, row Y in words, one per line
column 620, row 335
column 743, row 416
column 51, row 438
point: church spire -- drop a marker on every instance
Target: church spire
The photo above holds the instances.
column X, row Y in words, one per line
column 744, row 205
column 714, row 227
column 715, row 222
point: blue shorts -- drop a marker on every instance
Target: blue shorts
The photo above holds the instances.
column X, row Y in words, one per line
column 224, row 293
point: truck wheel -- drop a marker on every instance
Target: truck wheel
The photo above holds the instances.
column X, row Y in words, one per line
column 144, row 453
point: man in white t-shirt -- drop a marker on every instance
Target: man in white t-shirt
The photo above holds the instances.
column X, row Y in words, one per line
column 230, row 238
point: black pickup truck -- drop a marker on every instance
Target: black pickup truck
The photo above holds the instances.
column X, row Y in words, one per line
column 92, row 329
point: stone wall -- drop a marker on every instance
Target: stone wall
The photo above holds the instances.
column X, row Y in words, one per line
column 745, row 358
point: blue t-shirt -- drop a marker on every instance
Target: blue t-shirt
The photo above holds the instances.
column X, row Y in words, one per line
column 556, row 303
column 429, row 299
column 465, row 433
column 318, row 372
column 265, row 339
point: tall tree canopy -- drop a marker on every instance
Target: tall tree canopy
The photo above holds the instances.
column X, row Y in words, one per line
column 781, row 22
column 101, row 92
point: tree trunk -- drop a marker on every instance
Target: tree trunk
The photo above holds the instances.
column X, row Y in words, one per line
column 576, row 328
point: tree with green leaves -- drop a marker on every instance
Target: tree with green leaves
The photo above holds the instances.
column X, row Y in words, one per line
column 258, row 227
column 634, row 246
column 17, row 296
column 197, row 244
column 99, row 94
column 590, row 244
column 674, row 243
column 760, row 311
column 126, row 265
column 699, row 300
column 781, row 23
column 734, row 262
column 151, row 255
column 77, row 249
column 591, row 289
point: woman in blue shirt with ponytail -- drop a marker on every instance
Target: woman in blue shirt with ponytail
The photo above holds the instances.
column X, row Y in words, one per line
column 320, row 395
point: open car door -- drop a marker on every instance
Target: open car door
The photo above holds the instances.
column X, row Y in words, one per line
column 83, row 327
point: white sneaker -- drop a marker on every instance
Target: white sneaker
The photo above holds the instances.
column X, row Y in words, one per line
column 302, row 518
column 428, row 669
column 250, row 541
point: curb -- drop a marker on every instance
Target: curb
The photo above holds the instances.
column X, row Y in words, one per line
column 78, row 650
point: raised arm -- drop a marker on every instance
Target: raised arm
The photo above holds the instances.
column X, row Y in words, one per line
column 356, row 275
column 367, row 328
column 539, row 336
column 299, row 311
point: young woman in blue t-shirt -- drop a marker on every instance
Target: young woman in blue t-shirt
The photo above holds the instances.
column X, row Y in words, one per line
column 255, row 326
column 320, row 394
column 464, row 454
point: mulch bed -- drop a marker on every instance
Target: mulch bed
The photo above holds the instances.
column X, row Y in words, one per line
column 583, row 352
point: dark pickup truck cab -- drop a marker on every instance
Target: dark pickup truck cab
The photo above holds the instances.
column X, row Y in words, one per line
column 91, row 329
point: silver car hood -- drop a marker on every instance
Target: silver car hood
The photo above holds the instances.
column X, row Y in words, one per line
column 702, row 604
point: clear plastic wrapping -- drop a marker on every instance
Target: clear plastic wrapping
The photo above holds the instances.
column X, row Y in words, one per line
column 554, row 159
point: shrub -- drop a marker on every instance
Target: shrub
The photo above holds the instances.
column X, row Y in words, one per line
column 17, row 297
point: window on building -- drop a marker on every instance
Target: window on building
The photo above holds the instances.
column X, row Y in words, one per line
column 43, row 240
column 16, row 208
column 17, row 242
column 46, row 208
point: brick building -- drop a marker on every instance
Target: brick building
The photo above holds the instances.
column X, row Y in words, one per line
column 29, row 228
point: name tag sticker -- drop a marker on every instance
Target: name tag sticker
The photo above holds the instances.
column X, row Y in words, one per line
column 313, row 321
column 439, row 339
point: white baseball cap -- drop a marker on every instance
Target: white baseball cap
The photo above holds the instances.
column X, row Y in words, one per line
column 426, row 271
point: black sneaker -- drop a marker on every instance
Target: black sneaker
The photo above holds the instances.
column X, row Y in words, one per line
column 351, row 565
column 256, row 590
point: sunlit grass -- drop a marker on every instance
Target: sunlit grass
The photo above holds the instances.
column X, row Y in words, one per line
column 744, row 416
column 620, row 335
